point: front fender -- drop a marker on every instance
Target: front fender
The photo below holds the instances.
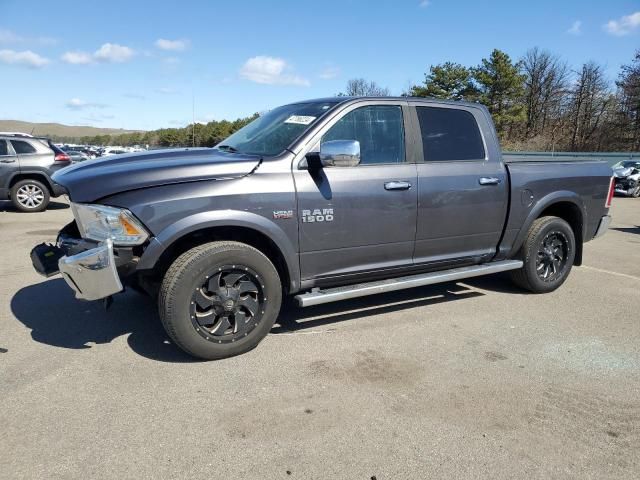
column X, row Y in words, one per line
column 222, row 218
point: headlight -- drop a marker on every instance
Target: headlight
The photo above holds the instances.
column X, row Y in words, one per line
column 99, row 222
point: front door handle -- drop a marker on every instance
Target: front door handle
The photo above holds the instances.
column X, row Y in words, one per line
column 8, row 160
column 489, row 181
column 397, row 185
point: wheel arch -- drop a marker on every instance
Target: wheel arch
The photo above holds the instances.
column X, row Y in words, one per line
column 244, row 227
column 566, row 205
column 39, row 176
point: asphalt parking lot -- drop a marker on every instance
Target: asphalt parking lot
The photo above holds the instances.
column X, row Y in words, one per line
column 464, row 380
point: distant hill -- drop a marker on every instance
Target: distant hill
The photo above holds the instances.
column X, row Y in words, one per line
column 57, row 129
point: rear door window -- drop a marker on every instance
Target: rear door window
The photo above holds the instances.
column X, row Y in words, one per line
column 4, row 151
column 22, row 148
column 449, row 134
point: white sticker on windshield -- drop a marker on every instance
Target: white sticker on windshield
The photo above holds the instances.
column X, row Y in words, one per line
column 300, row 119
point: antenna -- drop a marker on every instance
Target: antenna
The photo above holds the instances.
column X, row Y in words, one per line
column 193, row 116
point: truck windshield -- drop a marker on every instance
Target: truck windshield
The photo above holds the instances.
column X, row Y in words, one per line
column 271, row 133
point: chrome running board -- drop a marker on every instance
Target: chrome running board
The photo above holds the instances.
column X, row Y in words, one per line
column 317, row 297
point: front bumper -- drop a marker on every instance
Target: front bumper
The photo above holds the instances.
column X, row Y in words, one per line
column 625, row 186
column 92, row 270
column 92, row 274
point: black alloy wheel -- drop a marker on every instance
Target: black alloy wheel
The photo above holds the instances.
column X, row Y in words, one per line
column 228, row 305
column 552, row 256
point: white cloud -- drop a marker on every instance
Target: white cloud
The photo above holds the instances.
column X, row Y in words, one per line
column 107, row 53
column 576, row 28
column 271, row 71
column 166, row 90
column 77, row 58
column 624, row 25
column 425, row 3
column 172, row 45
column 77, row 104
column 26, row 58
column 113, row 53
column 329, row 72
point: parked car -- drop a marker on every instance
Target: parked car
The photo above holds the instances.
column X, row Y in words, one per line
column 627, row 178
column 323, row 200
column 77, row 156
column 113, row 151
column 26, row 166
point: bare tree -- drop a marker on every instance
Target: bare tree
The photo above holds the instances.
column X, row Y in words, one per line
column 590, row 102
column 359, row 87
column 629, row 104
column 546, row 85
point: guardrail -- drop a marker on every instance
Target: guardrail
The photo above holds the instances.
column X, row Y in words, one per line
column 611, row 157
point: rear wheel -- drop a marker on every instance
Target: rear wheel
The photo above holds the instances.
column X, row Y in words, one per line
column 30, row 196
column 548, row 253
column 219, row 299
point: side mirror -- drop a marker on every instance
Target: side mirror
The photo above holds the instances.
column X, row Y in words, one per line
column 340, row 153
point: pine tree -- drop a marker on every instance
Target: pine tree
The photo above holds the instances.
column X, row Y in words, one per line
column 501, row 88
column 448, row 80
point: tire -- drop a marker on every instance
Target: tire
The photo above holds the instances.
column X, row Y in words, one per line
column 635, row 193
column 30, row 196
column 219, row 299
column 539, row 260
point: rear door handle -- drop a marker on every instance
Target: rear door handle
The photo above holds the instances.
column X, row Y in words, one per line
column 9, row 160
column 489, row 181
column 397, row 185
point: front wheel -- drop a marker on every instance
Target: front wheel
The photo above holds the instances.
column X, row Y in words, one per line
column 548, row 253
column 635, row 193
column 219, row 299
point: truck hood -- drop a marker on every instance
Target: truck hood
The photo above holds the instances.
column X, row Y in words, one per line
column 94, row 179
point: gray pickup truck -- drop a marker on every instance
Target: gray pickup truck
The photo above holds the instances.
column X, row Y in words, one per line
column 323, row 200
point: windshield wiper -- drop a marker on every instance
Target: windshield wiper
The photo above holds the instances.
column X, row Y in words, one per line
column 228, row 148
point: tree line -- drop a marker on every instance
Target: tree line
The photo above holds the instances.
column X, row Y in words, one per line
column 198, row 134
column 538, row 102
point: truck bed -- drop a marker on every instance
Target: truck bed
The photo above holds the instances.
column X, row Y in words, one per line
column 538, row 180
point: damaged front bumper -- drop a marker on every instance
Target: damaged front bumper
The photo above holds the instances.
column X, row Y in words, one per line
column 92, row 274
column 91, row 269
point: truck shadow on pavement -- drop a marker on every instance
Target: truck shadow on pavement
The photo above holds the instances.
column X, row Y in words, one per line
column 293, row 318
column 55, row 318
column 632, row 230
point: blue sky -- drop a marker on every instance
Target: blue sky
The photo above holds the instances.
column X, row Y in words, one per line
column 135, row 64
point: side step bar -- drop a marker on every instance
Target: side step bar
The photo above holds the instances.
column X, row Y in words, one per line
column 316, row 297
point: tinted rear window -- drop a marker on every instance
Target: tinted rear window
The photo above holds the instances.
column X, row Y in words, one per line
column 22, row 147
column 449, row 134
column 3, row 148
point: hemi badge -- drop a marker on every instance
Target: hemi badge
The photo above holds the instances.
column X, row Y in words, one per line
column 282, row 214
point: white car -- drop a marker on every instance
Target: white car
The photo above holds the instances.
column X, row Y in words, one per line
column 627, row 177
column 113, row 151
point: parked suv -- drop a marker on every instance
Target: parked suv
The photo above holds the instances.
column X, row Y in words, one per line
column 26, row 166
